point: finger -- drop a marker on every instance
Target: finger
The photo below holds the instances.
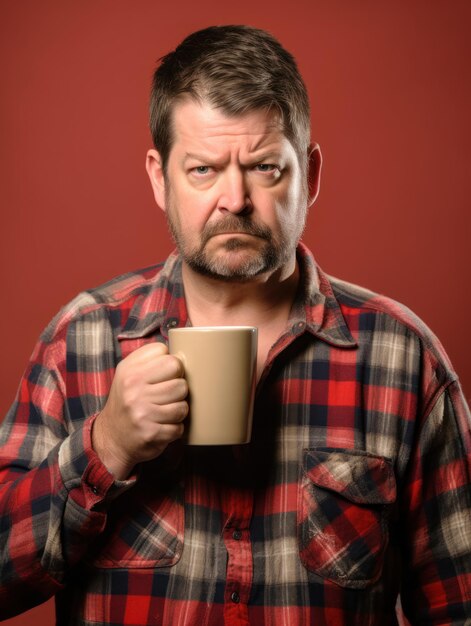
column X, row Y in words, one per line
column 170, row 432
column 170, row 413
column 166, row 367
column 148, row 352
column 167, row 391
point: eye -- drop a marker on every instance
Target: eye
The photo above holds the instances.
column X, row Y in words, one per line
column 268, row 172
column 201, row 170
column 266, row 167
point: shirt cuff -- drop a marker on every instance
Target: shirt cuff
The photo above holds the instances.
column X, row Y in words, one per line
column 84, row 475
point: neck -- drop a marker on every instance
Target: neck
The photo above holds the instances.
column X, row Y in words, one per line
column 258, row 302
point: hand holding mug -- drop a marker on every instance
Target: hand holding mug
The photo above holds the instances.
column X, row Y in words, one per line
column 145, row 409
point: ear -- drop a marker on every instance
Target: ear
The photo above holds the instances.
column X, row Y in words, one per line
column 314, row 172
column 156, row 176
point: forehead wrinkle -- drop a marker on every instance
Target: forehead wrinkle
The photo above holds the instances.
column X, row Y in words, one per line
column 210, row 136
column 256, row 138
column 211, row 122
column 265, row 145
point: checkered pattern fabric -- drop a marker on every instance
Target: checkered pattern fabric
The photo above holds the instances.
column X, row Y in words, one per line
column 354, row 489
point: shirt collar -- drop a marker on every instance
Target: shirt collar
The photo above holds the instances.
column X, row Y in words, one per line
column 317, row 304
column 162, row 305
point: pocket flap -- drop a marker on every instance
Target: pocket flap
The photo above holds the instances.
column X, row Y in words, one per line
column 358, row 476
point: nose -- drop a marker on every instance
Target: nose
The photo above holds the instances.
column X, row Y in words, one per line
column 234, row 194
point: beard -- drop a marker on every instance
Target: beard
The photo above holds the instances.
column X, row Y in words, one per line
column 237, row 260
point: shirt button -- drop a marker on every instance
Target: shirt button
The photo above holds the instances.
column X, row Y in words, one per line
column 237, row 535
column 235, row 597
column 94, row 490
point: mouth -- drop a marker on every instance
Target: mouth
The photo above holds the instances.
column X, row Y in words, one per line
column 236, row 240
column 234, row 233
column 236, row 228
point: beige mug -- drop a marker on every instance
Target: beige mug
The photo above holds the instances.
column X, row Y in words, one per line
column 220, row 368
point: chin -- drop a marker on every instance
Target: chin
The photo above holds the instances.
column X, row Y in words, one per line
column 241, row 271
column 237, row 263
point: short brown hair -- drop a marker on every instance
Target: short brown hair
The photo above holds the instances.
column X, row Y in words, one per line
column 236, row 69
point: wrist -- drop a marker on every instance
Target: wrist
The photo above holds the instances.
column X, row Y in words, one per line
column 103, row 446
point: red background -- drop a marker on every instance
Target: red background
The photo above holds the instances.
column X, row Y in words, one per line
column 391, row 99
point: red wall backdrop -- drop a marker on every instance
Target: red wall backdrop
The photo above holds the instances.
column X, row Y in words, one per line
column 391, row 99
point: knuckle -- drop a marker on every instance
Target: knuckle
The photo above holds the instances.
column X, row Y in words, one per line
column 179, row 430
column 178, row 389
column 174, row 432
column 182, row 410
column 175, row 366
column 148, row 438
column 138, row 417
column 183, row 388
column 129, row 395
column 128, row 383
column 159, row 348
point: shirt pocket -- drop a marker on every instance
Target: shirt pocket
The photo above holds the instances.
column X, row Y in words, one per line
column 145, row 528
column 344, row 501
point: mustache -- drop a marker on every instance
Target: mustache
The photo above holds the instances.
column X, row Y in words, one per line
column 236, row 224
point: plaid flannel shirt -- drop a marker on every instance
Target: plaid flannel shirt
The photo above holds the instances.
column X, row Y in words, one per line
column 354, row 489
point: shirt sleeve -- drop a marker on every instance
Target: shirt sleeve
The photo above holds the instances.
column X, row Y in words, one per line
column 436, row 516
column 54, row 490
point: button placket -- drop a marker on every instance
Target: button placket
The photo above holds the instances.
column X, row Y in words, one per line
column 239, row 506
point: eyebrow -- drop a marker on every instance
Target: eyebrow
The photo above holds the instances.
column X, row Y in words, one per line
column 208, row 158
column 197, row 157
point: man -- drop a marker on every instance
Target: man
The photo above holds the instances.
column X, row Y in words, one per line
column 355, row 486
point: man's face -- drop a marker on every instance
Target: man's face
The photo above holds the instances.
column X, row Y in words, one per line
column 234, row 192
